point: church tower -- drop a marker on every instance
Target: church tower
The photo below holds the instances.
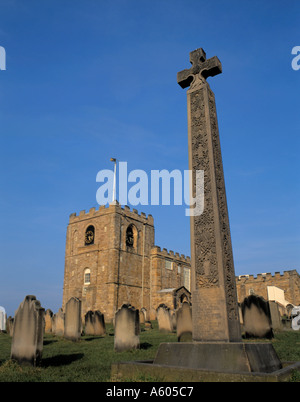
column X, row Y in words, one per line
column 107, row 261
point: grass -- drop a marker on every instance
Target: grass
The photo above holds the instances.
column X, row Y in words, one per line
column 90, row 358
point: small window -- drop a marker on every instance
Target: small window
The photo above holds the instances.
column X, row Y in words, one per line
column 89, row 235
column 169, row 264
column 87, row 276
column 131, row 236
column 179, row 269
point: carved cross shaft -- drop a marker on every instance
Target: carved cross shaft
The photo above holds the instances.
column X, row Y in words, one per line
column 200, row 67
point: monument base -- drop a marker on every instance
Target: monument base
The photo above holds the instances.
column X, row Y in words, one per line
column 208, row 361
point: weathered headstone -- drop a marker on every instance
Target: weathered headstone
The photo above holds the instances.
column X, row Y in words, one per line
column 73, row 319
column 256, row 317
column 10, row 325
column 58, row 323
column 94, row 323
column 164, row 318
column 184, row 326
column 27, row 341
column 143, row 315
column 215, row 308
column 127, row 328
column 48, row 321
column 275, row 315
column 2, row 319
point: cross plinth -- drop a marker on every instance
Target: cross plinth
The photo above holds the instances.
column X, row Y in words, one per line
column 200, row 70
column 215, row 309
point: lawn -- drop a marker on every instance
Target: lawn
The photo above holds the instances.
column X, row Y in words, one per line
column 90, row 358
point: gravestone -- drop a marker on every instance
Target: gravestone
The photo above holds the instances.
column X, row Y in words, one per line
column 94, row 323
column 10, row 325
column 2, row 319
column 58, row 323
column 127, row 328
column 256, row 317
column 184, row 326
column 27, row 341
column 48, row 321
column 164, row 318
column 73, row 319
column 142, row 317
column 275, row 316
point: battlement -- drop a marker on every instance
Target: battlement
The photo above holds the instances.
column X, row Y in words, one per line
column 156, row 250
column 111, row 208
column 267, row 276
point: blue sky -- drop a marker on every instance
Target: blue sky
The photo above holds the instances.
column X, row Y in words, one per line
column 89, row 80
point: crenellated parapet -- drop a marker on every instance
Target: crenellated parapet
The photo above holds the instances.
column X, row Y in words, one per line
column 267, row 276
column 165, row 254
column 111, row 208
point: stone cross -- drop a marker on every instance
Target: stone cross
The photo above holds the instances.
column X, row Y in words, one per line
column 215, row 309
column 201, row 68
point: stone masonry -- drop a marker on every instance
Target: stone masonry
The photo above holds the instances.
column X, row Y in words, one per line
column 111, row 260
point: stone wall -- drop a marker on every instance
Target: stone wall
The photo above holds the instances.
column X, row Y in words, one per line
column 289, row 281
column 169, row 271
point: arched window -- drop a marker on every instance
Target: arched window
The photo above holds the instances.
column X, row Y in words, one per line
column 131, row 236
column 89, row 235
column 87, row 276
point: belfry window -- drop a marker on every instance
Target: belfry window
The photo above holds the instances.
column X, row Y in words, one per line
column 89, row 235
column 129, row 236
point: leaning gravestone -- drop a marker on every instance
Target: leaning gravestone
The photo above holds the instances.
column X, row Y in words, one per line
column 58, row 323
column 73, row 319
column 256, row 317
column 2, row 319
column 94, row 323
column 164, row 318
column 127, row 328
column 275, row 316
column 27, row 341
column 48, row 321
column 184, row 325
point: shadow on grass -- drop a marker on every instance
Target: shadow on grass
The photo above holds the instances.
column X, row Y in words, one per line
column 93, row 338
column 145, row 345
column 61, row 360
column 49, row 341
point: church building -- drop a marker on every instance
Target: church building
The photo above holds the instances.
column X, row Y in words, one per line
column 111, row 259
